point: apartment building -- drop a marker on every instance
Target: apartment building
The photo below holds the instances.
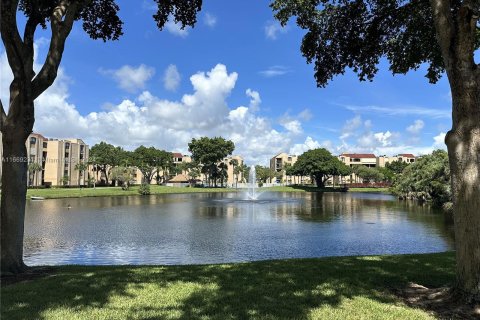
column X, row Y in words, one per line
column 232, row 178
column 403, row 157
column 356, row 159
column 280, row 162
column 61, row 159
column 56, row 160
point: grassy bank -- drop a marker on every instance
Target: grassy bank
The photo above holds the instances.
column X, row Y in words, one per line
column 327, row 288
column 328, row 189
column 54, row 193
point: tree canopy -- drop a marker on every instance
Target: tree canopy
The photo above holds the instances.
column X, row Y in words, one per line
column 319, row 164
column 428, row 178
column 209, row 152
column 357, row 34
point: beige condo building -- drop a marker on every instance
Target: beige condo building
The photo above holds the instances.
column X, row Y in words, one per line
column 56, row 161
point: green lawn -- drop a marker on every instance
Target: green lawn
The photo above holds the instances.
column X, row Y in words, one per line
column 53, row 193
column 328, row 288
column 113, row 191
column 327, row 189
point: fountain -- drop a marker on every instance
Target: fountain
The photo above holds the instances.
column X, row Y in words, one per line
column 252, row 184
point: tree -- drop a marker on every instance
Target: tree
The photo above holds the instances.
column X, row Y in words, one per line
column 209, row 152
column 441, row 33
column 146, row 160
column 369, row 175
column 396, row 166
column 100, row 21
column 236, row 170
column 264, row 174
column 81, row 167
column 124, row 175
column 33, row 168
column 428, row 178
column 319, row 164
column 106, row 156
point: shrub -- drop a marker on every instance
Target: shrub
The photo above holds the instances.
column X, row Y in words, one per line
column 144, row 189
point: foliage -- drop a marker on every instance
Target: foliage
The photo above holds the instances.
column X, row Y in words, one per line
column 357, row 34
column 209, row 152
column 144, row 189
column 124, row 176
column 388, row 174
column 319, row 164
column 396, row 166
column 369, row 175
column 105, row 156
column 64, row 180
column 149, row 160
column 428, row 178
column 264, row 174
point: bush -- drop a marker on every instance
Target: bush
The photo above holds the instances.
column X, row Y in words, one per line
column 144, row 189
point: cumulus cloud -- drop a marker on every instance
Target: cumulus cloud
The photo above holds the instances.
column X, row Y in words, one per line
column 309, row 144
column 210, row 20
column 416, row 127
column 171, row 78
column 166, row 124
column 272, row 29
column 129, row 78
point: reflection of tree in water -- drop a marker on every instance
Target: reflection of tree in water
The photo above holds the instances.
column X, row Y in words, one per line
column 327, row 207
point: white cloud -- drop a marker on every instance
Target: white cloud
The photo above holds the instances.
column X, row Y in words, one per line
column 176, row 28
column 401, row 111
column 166, row 124
column 171, row 78
column 272, row 29
column 416, row 127
column 351, row 126
column 305, row 115
column 129, row 78
column 274, row 71
column 294, row 126
column 210, row 20
column 439, row 140
column 309, row 144
column 255, row 99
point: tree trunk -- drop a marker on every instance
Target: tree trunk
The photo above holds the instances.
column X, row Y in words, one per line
column 14, row 192
column 463, row 143
column 319, row 181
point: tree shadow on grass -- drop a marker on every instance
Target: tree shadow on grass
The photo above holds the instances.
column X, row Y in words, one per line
column 283, row 289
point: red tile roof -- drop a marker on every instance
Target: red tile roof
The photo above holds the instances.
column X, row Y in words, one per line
column 406, row 155
column 177, row 155
column 359, row 155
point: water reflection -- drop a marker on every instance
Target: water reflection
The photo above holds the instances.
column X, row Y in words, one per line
column 214, row 228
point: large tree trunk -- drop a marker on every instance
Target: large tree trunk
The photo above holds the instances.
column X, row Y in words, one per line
column 463, row 143
column 14, row 191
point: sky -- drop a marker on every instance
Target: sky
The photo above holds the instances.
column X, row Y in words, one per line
column 237, row 74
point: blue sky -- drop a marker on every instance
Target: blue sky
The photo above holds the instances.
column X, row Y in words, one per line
column 236, row 74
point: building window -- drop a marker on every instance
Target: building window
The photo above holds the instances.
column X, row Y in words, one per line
column 44, row 144
column 67, row 145
column 33, row 140
column 356, row 160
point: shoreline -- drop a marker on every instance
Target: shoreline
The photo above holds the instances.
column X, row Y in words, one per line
column 64, row 193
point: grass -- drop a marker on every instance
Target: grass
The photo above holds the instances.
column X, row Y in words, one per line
column 324, row 288
column 55, row 193
column 327, row 189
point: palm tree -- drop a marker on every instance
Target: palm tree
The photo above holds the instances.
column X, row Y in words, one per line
column 33, row 168
column 81, row 167
column 234, row 163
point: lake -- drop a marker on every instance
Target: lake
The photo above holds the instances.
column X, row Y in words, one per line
column 221, row 227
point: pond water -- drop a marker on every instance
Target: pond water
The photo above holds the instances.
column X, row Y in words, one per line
column 221, row 227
